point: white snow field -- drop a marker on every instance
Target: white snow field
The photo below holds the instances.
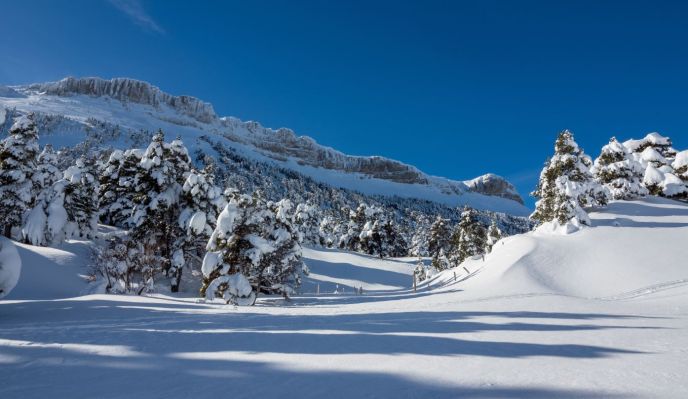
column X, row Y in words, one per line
column 601, row 313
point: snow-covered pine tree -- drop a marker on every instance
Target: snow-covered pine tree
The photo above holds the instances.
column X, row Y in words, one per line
column 158, row 185
column 283, row 266
column 617, row 170
column 47, row 172
column 420, row 235
column 469, row 238
column 380, row 237
column 566, row 185
column 330, row 230
column 66, row 209
column 81, row 199
column 493, row 235
column 253, row 249
column 307, row 218
column 420, row 273
column 117, row 187
column 18, row 153
column 680, row 165
column 393, row 242
column 439, row 242
column 201, row 202
column 357, row 226
column 661, row 144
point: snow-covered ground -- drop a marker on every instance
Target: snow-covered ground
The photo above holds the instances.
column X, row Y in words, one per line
column 599, row 313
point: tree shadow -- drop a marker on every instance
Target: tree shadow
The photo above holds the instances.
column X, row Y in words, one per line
column 117, row 348
column 626, row 222
column 651, row 206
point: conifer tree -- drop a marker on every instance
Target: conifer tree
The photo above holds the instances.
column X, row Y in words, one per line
column 81, row 199
column 380, row 237
column 617, row 170
column 117, row 187
column 308, row 223
column 439, row 242
column 493, row 235
column 356, row 227
column 18, row 153
column 469, row 238
column 566, row 185
column 66, row 209
column 201, row 202
column 47, row 172
column 155, row 219
column 254, row 248
column 330, row 230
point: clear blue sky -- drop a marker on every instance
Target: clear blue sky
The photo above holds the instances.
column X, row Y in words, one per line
column 455, row 88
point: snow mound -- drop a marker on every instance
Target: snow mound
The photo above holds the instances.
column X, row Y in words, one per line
column 52, row 273
column 10, row 267
column 631, row 247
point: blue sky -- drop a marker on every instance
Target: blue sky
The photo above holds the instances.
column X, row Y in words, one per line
column 455, row 88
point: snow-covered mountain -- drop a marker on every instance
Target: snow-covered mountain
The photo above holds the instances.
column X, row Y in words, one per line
column 121, row 113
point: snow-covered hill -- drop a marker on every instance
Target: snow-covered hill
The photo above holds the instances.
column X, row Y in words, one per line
column 633, row 248
column 124, row 112
column 601, row 313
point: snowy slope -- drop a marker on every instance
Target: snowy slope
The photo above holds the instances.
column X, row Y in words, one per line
column 589, row 315
column 74, row 110
column 634, row 247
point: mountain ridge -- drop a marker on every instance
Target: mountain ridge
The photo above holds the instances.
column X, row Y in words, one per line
column 88, row 99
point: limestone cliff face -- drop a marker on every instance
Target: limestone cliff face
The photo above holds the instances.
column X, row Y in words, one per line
column 279, row 144
column 491, row 184
column 129, row 90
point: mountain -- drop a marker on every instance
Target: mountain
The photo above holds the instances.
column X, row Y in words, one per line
column 121, row 113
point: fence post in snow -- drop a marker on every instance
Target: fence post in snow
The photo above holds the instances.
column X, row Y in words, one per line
column 317, row 290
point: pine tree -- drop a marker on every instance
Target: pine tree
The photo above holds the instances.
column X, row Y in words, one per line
column 380, row 237
column 253, row 249
column 117, row 187
column 493, row 235
column 47, row 172
column 358, row 220
column 439, row 242
column 18, row 153
column 661, row 144
column 617, row 170
column 566, row 185
column 393, row 242
column 330, row 230
column 469, row 238
column 307, row 220
column 420, row 273
column 158, row 186
column 81, row 199
column 201, row 202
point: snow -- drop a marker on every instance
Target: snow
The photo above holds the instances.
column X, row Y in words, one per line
column 653, row 176
column 602, row 312
column 681, row 160
column 10, row 267
column 649, row 154
column 652, row 138
column 197, row 222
